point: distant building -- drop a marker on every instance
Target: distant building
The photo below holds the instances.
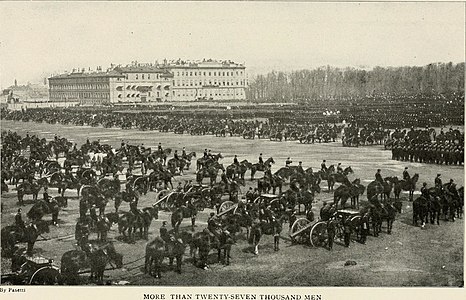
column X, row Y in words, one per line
column 169, row 81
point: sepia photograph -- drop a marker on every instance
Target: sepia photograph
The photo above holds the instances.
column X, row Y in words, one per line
column 232, row 144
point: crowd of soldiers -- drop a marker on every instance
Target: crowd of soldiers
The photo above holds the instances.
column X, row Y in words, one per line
column 434, row 153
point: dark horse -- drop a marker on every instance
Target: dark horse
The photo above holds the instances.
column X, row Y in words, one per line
column 420, row 210
column 204, row 241
column 406, row 185
column 180, row 213
column 261, row 167
column 10, row 235
column 381, row 212
column 274, row 227
column 339, row 177
column 157, row 250
column 96, row 259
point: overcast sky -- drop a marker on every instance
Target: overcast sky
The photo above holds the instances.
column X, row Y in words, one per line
column 38, row 39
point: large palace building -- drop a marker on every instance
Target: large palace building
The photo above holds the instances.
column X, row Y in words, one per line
column 168, row 81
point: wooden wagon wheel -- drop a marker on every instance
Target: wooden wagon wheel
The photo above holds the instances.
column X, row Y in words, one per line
column 171, row 199
column 299, row 230
column 82, row 188
column 48, row 275
column 226, row 205
column 318, row 235
column 137, row 182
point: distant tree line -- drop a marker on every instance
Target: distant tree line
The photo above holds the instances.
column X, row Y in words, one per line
column 340, row 83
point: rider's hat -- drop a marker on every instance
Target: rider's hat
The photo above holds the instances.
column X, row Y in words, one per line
column 260, row 153
column 164, row 223
column 406, row 168
column 378, row 170
column 439, row 175
column 324, row 160
column 425, row 183
column 451, row 180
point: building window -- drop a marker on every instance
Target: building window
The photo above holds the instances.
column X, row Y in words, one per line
column 148, row 76
column 142, row 76
column 204, row 73
column 137, row 76
column 210, row 73
column 190, row 73
column 215, row 73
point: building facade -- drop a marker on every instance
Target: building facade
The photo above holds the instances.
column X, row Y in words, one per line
column 208, row 80
column 169, row 81
column 85, row 88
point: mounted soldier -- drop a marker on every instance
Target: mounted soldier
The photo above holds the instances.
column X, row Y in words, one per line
column 183, row 153
column 300, row 168
column 378, row 176
column 160, row 149
column 339, row 169
column 323, row 167
column 425, row 191
column 235, row 161
column 175, row 155
column 19, row 220
column 261, row 161
column 46, row 195
column 438, row 182
column 406, row 174
column 288, row 162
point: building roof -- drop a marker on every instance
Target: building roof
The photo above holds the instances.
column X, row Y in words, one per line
column 139, row 69
column 111, row 73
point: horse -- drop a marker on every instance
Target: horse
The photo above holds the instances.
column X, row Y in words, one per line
column 188, row 158
column 206, row 240
column 388, row 183
column 176, row 165
column 180, row 213
column 339, row 177
column 41, row 208
column 143, row 220
column 265, row 184
column 261, row 167
column 420, row 210
column 270, row 228
column 96, row 259
column 357, row 189
column 28, row 188
column 386, row 211
column 374, row 189
column 206, row 162
column 58, row 180
column 124, row 196
column 10, row 235
column 238, row 220
column 238, row 171
column 210, row 172
column 341, row 195
column 157, row 250
column 406, row 185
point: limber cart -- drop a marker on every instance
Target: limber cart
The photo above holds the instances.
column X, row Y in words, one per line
column 304, row 231
column 35, row 270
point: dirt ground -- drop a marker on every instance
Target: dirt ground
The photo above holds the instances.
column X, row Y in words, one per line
column 410, row 256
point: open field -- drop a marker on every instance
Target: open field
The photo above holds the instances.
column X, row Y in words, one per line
column 409, row 256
